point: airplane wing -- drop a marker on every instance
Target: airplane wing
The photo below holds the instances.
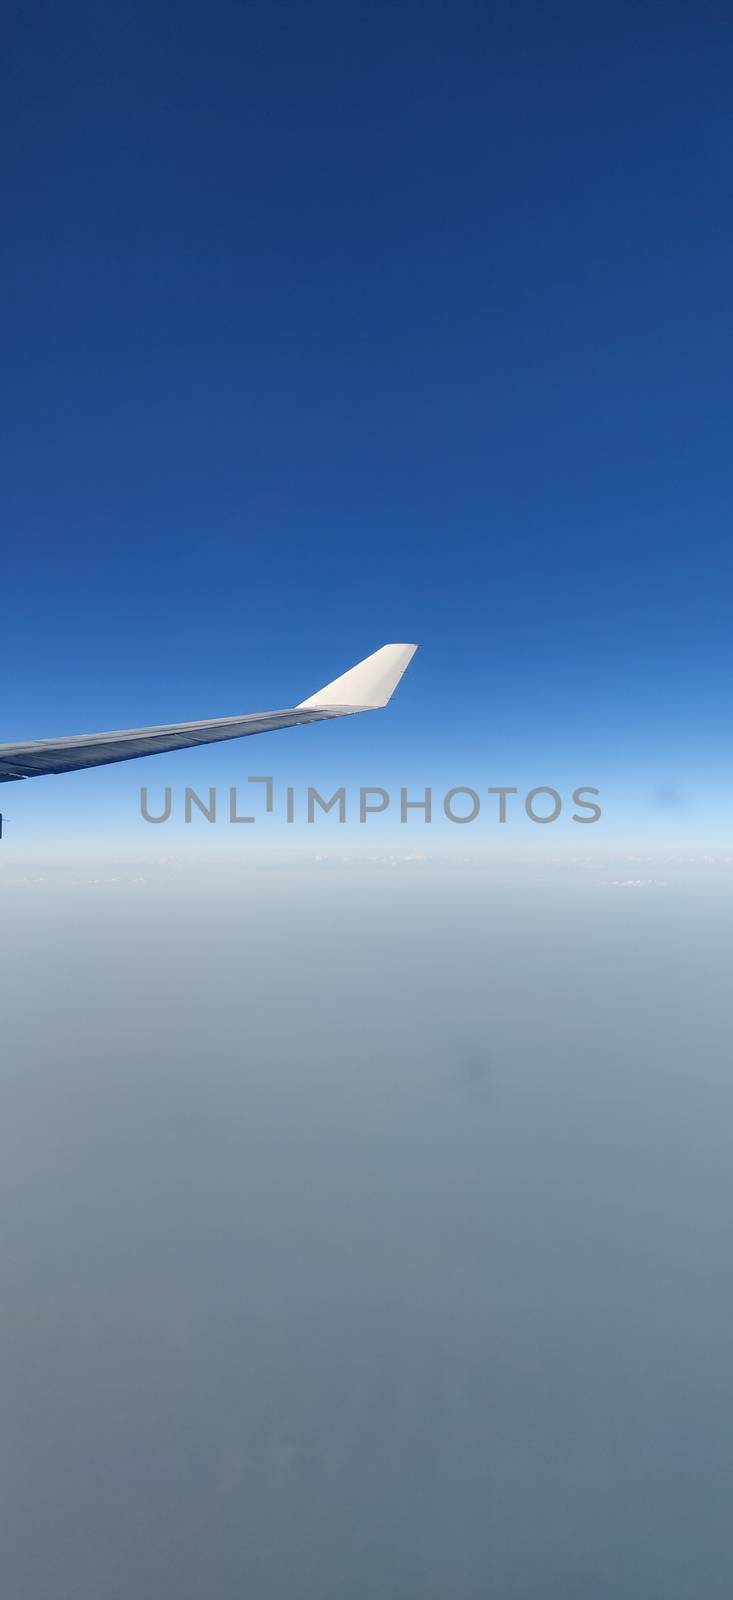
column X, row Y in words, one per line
column 366, row 687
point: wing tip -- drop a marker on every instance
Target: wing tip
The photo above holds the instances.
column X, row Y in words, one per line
column 370, row 684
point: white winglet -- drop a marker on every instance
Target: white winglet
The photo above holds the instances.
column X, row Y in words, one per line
column 368, row 685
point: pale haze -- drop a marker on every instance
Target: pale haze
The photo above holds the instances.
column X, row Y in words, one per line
column 367, row 1232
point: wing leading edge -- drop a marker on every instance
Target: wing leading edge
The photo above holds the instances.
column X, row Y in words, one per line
column 366, row 687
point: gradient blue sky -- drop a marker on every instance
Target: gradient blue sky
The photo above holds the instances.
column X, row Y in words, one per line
column 328, row 325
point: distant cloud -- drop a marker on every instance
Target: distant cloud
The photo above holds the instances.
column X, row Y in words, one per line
column 635, row 883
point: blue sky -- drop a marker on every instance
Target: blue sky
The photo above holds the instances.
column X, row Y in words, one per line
column 331, row 325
